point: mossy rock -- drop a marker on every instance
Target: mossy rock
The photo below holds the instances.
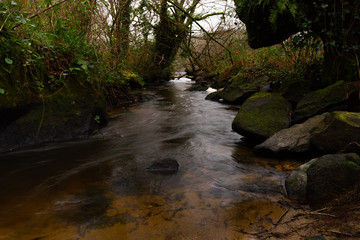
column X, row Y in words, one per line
column 325, row 133
column 331, row 98
column 214, row 96
column 237, row 94
column 294, row 90
column 69, row 114
column 262, row 115
column 337, row 131
column 333, row 179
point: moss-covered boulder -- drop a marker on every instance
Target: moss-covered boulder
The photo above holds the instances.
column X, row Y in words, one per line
column 331, row 98
column 333, row 179
column 262, row 115
column 326, row 133
column 336, row 132
column 71, row 113
column 237, row 94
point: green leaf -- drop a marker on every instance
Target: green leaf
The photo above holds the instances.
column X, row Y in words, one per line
column 324, row 5
column 9, row 61
column 2, row 91
column 97, row 119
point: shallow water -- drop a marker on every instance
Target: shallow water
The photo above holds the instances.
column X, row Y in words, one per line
column 99, row 189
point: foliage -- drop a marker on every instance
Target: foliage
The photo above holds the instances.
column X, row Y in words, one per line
column 336, row 23
column 43, row 55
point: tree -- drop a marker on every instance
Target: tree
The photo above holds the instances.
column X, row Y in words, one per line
column 171, row 30
column 336, row 22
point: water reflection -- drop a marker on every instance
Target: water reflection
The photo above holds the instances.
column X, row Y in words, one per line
column 99, row 189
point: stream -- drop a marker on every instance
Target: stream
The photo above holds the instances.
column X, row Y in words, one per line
column 99, row 188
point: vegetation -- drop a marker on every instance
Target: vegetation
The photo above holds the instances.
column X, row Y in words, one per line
column 108, row 48
column 336, row 23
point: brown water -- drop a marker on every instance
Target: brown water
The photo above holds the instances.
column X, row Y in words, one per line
column 99, row 189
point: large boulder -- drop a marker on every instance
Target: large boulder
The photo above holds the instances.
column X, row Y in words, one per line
column 331, row 98
column 262, row 115
column 68, row 114
column 337, row 131
column 326, row 133
column 333, row 179
column 295, row 139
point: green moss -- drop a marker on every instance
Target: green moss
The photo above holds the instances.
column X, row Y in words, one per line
column 351, row 118
column 352, row 165
column 263, row 114
column 322, row 100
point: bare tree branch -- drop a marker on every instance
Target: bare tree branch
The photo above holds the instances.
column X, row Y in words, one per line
column 42, row 11
column 194, row 20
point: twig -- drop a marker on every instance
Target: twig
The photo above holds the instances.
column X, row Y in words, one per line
column 282, row 216
column 42, row 11
column 337, row 232
column 319, row 212
column 4, row 22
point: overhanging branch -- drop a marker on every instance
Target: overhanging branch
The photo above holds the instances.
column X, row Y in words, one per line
column 201, row 27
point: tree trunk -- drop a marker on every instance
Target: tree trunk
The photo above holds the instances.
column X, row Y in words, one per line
column 170, row 32
column 122, row 30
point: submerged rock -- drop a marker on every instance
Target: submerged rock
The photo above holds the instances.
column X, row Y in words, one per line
column 165, row 166
column 326, row 133
column 262, row 115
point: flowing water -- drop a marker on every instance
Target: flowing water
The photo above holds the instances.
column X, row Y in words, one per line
column 99, row 188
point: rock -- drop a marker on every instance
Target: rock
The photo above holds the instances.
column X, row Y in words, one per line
column 333, row 179
column 296, row 182
column 295, row 139
column 331, row 98
column 352, row 147
column 165, row 166
column 262, row 115
column 326, row 133
column 336, row 132
column 295, row 89
column 237, row 94
column 64, row 116
column 214, row 96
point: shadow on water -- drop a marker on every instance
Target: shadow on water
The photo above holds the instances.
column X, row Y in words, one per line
column 100, row 189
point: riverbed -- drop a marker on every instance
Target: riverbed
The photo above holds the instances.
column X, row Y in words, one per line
column 99, row 188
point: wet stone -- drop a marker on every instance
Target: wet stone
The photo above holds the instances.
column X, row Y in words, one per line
column 165, row 166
